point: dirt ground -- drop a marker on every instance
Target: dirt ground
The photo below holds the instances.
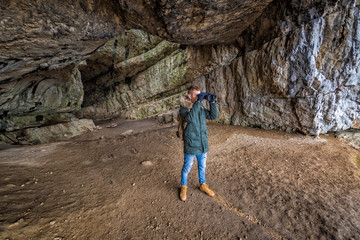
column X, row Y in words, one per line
column 116, row 184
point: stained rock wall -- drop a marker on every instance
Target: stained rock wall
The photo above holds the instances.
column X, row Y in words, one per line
column 137, row 75
column 294, row 65
column 196, row 22
column 41, row 99
column 42, row 35
column 307, row 78
column 41, row 45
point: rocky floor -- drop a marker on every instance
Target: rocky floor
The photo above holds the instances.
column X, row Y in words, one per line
column 114, row 183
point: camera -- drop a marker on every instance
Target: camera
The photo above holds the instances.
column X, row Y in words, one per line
column 210, row 97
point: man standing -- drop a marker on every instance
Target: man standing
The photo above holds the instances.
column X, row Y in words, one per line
column 196, row 137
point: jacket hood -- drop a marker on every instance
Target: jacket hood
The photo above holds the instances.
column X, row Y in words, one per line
column 184, row 102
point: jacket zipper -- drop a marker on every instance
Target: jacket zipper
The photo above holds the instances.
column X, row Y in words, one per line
column 201, row 139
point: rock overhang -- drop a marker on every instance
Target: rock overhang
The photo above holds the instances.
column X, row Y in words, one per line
column 265, row 60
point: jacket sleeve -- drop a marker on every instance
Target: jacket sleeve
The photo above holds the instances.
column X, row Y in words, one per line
column 212, row 114
column 194, row 112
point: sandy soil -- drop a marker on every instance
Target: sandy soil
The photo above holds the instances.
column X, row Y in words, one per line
column 109, row 185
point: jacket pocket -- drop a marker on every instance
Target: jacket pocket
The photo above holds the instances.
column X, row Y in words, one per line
column 187, row 140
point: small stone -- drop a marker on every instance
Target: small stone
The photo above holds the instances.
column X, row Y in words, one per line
column 102, row 137
column 133, row 184
column 128, row 132
column 147, row 163
column 52, row 222
column 20, row 221
column 111, row 125
column 44, row 65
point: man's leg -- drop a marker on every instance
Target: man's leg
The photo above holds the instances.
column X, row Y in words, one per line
column 202, row 166
column 201, row 158
column 188, row 162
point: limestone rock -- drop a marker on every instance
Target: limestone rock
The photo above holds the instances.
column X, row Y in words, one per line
column 306, row 80
column 40, row 35
column 193, row 22
column 147, row 163
column 102, row 65
column 128, row 132
column 202, row 60
column 291, row 65
column 40, row 99
column 168, row 117
column 147, row 84
column 351, row 137
column 47, row 134
column 136, row 81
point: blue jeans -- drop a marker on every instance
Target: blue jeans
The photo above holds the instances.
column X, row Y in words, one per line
column 188, row 162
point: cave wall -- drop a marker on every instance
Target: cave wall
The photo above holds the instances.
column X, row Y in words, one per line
column 42, row 35
column 146, row 75
column 42, row 44
column 306, row 78
column 290, row 65
column 298, row 69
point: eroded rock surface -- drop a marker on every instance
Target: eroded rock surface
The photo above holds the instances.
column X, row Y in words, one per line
column 290, row 65
column 40, row 35
column 41, row 99
column 146, row 75
column 47, row 134
column 308, row 78
column 193, row 22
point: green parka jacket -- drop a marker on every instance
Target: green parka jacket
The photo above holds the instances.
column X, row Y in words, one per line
column 196, row 135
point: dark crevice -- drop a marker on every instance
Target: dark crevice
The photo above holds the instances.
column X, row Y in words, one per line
column 127, row 80
column 114, row 54
column 127, row 50
column 159, row 17
column 39, row 118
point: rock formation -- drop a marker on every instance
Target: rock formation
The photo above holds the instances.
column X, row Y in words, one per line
column 290, row 65
column 306, row 77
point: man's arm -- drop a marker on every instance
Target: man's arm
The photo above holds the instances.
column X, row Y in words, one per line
column 194, row 112
column 212, row 114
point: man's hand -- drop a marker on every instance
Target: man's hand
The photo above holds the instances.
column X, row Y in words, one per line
column 201, row 96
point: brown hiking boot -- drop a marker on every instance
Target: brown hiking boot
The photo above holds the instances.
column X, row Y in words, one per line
column 204, row 187
column 183, row 192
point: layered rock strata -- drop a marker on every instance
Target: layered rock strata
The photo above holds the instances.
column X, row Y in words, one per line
column 290, row 65
column 308, row 77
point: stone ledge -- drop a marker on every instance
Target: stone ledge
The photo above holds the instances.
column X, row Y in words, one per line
column 47, row 134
